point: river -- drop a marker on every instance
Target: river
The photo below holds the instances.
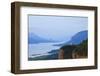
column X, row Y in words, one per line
column 40, row 49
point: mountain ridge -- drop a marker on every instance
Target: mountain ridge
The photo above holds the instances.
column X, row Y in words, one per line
column 76, row 39
column 33, row 38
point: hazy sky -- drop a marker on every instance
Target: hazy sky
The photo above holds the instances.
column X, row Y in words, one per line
column 58, row 28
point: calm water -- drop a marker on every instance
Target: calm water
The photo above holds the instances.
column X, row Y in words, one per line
column 41, row 49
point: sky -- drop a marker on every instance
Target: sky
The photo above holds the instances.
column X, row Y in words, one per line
column 58, row 28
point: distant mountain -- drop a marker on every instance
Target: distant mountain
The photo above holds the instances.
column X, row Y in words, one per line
column 33, row 38
column 78, row 37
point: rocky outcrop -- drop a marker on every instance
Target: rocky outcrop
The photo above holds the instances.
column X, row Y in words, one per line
column 81, row 51
column 66, row 52
column 74, row 51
